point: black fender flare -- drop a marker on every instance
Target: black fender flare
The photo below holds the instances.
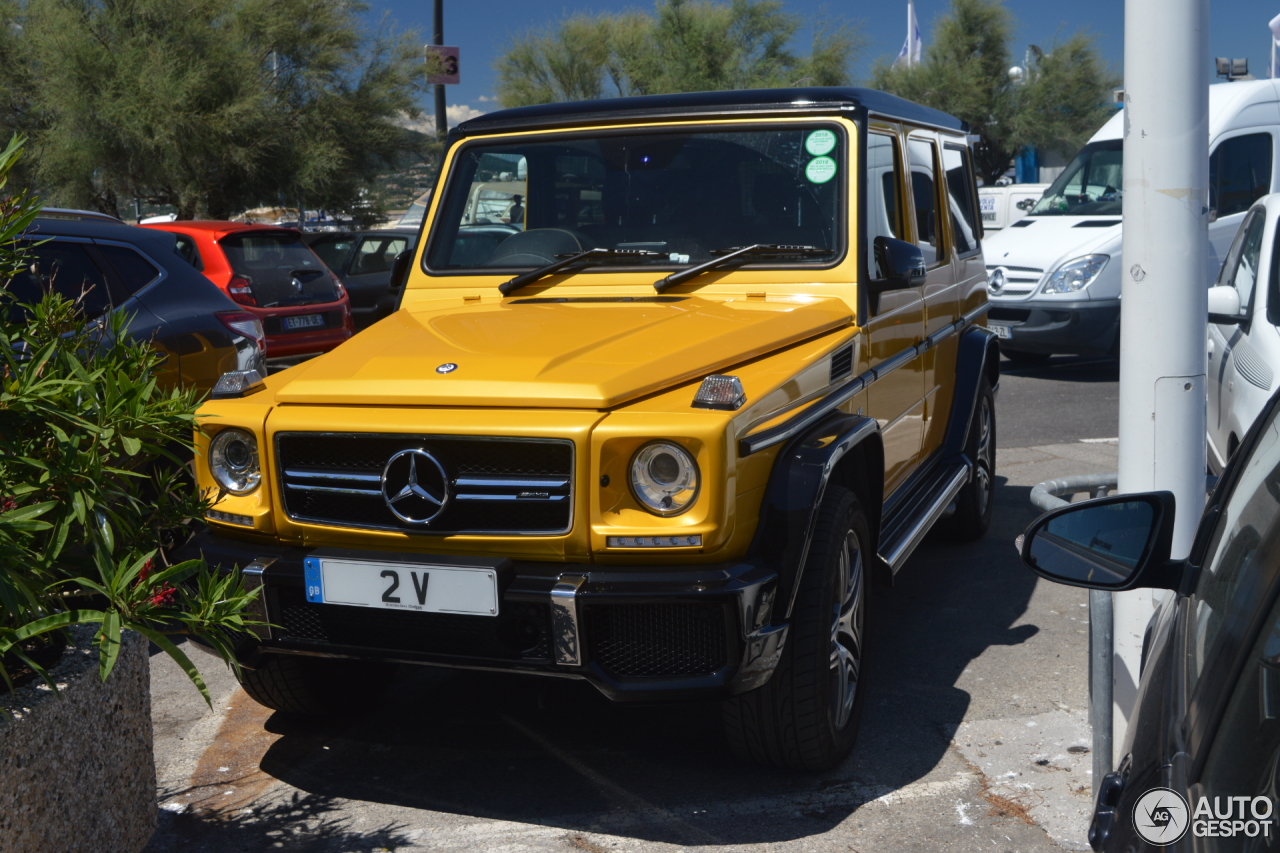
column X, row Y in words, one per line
column 799, row 479
column 978, row 355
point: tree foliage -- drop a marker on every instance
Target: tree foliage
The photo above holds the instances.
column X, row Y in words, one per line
column 1061, row 101
column 208, row 105
column 684, row 46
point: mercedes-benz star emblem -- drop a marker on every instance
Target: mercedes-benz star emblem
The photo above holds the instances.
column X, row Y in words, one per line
column 447, row 367
column 415, row 486
column 995, row 281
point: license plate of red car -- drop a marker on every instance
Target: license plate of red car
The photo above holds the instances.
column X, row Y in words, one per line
column 303, row 321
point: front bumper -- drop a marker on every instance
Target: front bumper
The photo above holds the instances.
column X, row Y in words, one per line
column 1086, row 327
column 636, row 633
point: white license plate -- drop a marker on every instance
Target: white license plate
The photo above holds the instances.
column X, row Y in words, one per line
column 303, row 321
column 402, row 586
column 1001, row 331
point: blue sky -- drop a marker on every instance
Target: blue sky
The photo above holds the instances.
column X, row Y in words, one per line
column 482, row 28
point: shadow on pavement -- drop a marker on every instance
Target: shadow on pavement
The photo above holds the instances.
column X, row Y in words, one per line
column 303, row 822
column 556, row 753
column 1067, row 368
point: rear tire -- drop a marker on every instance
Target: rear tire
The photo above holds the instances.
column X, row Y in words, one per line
column 315, row 687
column 976, row 500
column 806, row 716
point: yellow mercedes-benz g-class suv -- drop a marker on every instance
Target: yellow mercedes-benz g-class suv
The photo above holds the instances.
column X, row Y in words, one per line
column 655, row 415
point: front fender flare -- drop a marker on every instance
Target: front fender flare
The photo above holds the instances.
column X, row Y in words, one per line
column 796, row 487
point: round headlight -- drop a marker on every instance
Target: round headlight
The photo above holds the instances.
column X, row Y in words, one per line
column 233, row 460
column 664, row 478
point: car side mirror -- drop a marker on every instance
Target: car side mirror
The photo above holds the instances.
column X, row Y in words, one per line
column 1224, row 305
column 399, row 272
column 901, row 263
column 1113, row 543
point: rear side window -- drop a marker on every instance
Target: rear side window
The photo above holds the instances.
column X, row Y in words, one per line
column 332, row 252
column 1239, row 173
column 377, row 254
column 135, row 271
column 187, row 249
column 960, row 197
column 67, row 269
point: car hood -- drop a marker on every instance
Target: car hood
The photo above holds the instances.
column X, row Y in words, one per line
column 1049, row 240
column 583, row 352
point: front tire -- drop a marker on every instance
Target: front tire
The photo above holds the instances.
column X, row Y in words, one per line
column 806, row 716
column 315, row 687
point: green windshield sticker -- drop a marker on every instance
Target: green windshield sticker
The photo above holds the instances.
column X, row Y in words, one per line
column 820, row 170
column 820, row 142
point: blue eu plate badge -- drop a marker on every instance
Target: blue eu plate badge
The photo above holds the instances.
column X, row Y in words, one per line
column 315, row 585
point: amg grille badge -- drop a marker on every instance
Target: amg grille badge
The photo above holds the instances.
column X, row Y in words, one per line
column 534, row 496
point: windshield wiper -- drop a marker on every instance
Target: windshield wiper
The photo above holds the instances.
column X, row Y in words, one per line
column 575, row 259
column 738, row 255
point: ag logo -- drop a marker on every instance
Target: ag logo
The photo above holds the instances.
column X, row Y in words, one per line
column 1160, row 816
column 447, row 367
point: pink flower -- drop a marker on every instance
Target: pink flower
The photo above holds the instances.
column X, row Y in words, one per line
column 164, row 596
column 8, row 504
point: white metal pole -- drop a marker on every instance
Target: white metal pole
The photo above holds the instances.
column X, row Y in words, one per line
column 1164, row 295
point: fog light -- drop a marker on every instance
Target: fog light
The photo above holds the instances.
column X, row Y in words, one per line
column 687, row 541
column 229, row 518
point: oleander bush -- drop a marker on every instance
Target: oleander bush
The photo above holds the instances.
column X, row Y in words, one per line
column 93, row 486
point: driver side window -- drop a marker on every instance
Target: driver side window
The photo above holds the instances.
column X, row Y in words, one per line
column 1241, row 269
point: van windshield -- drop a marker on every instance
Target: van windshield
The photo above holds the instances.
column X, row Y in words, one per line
column 681, row 195
column 1091, row 185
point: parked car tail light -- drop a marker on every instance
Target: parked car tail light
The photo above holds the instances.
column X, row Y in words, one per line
column 337, row 285
column 242, row 291
column 246, row 325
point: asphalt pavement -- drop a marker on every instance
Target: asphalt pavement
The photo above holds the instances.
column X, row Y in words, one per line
column 974, row 735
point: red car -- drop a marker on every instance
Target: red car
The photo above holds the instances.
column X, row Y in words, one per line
column 275, row 276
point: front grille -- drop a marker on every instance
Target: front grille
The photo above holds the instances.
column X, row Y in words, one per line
column 274, row 325
column 656, row 640
column 520, row 632
column 496, row 485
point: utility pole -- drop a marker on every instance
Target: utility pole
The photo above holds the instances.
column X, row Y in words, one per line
column 1164, row 295
column 437, row 37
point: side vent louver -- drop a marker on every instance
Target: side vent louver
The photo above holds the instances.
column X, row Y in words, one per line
column 841, row 363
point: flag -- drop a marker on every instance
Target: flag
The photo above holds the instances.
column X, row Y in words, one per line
column 914, row 45
column 1275, row 27
column 1275, row 37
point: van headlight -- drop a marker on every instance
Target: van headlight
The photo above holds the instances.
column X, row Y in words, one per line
column 1075, row 274
column 664, row 478
column 233, row 461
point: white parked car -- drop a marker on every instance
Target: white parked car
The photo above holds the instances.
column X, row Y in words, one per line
column 1244, row 341
column 1054, row 275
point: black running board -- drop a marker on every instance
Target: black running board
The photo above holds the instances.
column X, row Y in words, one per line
column 917, row 512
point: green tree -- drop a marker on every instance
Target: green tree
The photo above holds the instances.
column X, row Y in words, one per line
column 685, row 46
column 209, row 105
column 1060, row 102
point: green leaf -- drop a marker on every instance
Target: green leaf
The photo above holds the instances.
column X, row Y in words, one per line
column 131, row 445
column 49, row 623
column 109, row 644
column 179, row 657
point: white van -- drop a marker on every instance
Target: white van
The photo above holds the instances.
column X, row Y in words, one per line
column 1003, row 206
column 1054, row 276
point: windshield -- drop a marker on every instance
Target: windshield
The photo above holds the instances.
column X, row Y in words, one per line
column 682, row 195
column 1091, row 185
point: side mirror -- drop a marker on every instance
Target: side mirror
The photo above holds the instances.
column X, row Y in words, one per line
column 1224, row 305
column 1113, row 543
column 901, row 263
column 399, row 272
